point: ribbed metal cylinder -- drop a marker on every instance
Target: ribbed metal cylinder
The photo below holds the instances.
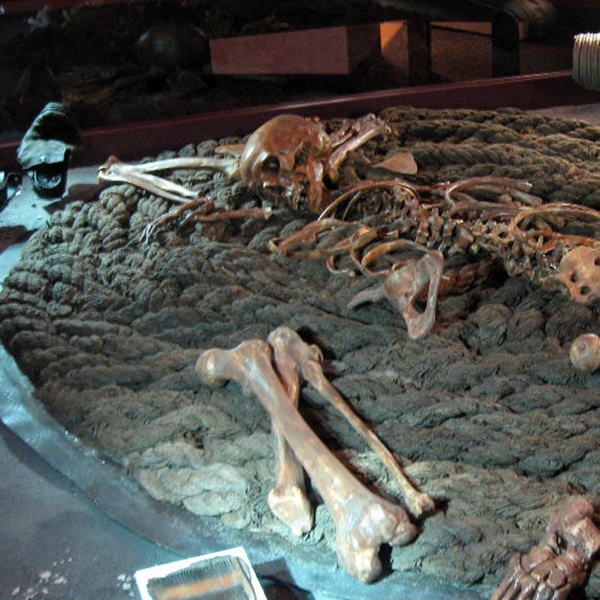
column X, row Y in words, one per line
column 586, row 60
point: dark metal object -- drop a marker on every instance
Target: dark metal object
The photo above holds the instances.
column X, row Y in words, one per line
column 46, row 150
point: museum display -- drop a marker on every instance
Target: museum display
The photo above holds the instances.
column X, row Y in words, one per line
column 117, row 299
column 348, row 327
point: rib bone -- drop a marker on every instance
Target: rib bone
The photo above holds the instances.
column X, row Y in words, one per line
column 363, row 520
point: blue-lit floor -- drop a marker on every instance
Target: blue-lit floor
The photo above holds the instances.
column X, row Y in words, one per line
column 56, row 543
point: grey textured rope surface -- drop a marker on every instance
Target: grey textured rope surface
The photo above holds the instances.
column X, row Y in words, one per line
column 487, row 412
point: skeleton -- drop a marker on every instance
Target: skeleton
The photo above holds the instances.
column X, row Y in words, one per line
column 285, row 161
column 294, row 162
column 273, row 371
column 560, row 562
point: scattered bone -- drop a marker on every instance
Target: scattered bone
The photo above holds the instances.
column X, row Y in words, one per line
column 363, row 130
column 293, row 358
column 585, row 352
column 140, row 175
column 402, row 287
column 364, row 521
column 113, row 171
column 288, row 499
column 560, row 562
column 402, row 163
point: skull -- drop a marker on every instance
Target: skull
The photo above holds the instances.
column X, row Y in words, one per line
column 285, row 160
column 579, row 271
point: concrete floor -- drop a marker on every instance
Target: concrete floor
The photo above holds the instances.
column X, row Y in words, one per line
column 57, row 539
column 56, row 543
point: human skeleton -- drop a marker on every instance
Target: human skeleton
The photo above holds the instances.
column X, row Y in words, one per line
column 295, row 162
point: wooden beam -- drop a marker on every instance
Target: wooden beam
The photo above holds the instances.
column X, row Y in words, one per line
column 134, row 141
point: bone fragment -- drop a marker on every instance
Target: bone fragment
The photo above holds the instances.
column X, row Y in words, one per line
column 115, row 171
column 400, row 162
column 403, row 286
column 288, row 499
column 585, row 352
column 363, row 520
column 366, row 129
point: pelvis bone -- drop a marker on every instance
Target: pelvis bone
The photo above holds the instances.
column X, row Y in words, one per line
column 273, row 371
column 402, row 288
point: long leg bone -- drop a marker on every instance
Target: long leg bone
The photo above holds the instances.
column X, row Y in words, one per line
column 288, row 499
column 293, row 355
column 115, row 171
column 363, row 520
column 140, row 174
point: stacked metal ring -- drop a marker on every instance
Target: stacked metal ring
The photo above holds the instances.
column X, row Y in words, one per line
column 586, row 60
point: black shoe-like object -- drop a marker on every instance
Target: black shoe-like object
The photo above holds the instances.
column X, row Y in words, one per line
column 46, row 150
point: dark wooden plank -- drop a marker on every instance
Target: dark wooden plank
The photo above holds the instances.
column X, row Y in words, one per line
column 133, row 141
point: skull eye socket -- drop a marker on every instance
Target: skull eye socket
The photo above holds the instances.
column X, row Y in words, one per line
column 301, row 159
column 271, row 165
